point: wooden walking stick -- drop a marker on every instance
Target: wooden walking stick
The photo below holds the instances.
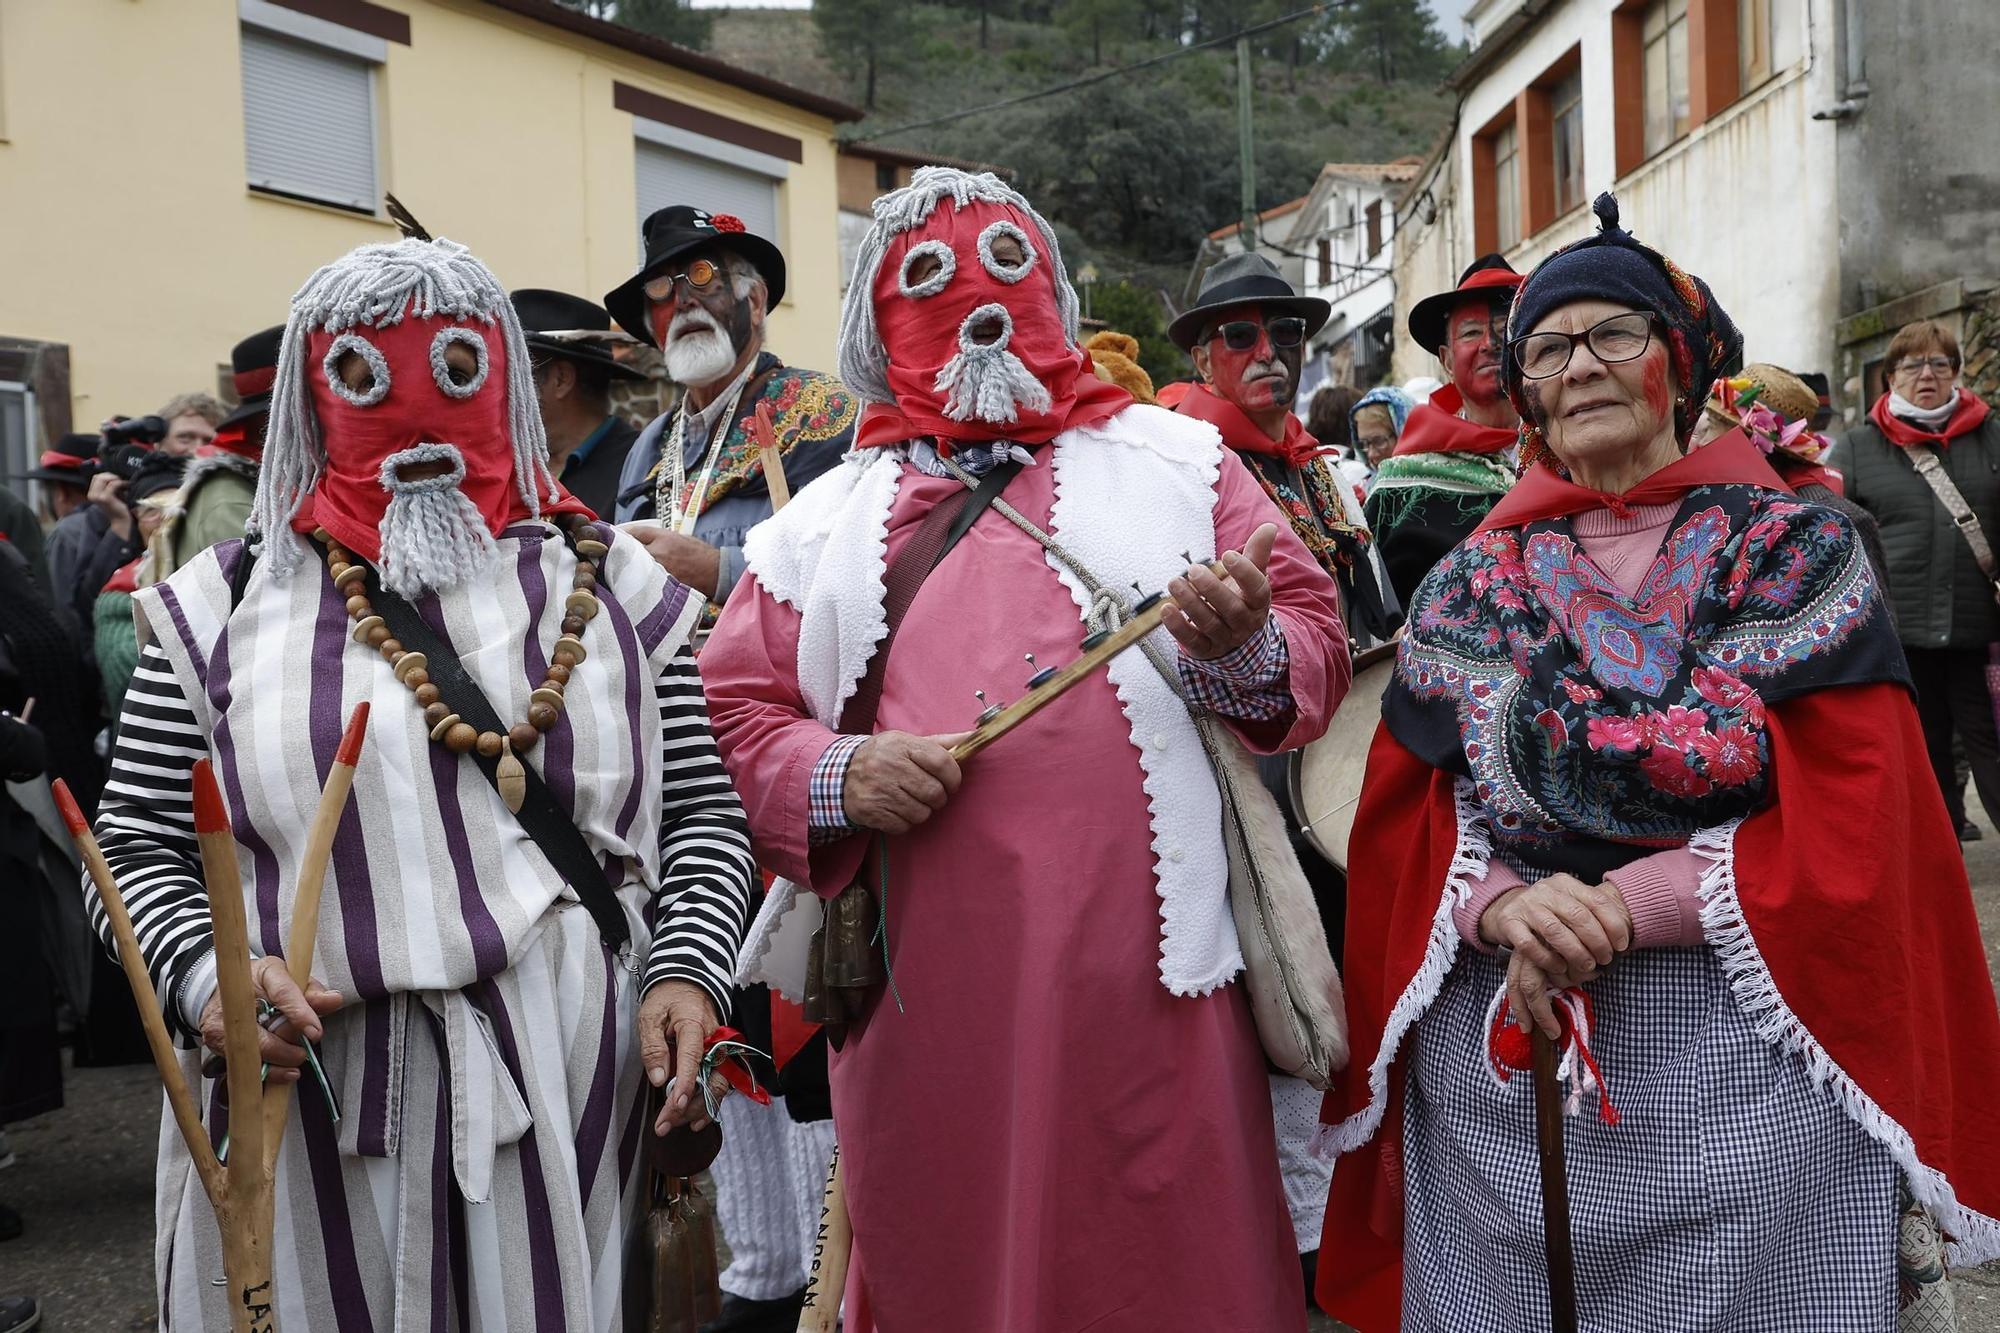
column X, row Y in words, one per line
column 774, row 462
column 1561, row 1259
column 835, row 1245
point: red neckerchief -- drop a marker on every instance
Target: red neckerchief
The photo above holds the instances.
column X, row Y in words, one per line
column 124, row 579
column 232, row 440
column 1087, row 401
column 1796, row 472
column 1241, row 433
column 1731, row 460
column 1971, row 412
column 1435, row 427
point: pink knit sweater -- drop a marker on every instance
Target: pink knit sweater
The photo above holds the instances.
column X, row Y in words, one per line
column 1660, row 890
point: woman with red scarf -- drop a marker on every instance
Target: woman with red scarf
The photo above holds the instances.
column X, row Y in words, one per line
column 1594, row 806
column 1944, row 601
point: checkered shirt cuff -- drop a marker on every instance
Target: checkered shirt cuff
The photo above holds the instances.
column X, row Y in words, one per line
column 826, row 816
column 1251, row 683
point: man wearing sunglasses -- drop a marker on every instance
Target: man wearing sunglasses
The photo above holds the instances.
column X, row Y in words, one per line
column 1455, row 458
column 701, row 297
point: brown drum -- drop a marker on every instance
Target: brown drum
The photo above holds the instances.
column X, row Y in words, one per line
column 1325, row 777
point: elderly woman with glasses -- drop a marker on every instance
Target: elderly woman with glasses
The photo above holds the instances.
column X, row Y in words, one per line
column 1597, row 806
column 1927, row 433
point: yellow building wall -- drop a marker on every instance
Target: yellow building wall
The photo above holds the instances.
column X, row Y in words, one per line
column 130, row 234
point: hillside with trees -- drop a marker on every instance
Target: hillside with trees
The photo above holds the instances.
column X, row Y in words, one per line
column 1135, row 168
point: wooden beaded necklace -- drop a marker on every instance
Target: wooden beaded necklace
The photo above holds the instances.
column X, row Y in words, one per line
column 545, row 702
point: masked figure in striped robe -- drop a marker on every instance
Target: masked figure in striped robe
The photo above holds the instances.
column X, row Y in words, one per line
column 482, row 1028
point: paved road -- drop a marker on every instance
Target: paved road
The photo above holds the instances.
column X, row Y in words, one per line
column 84, row 1181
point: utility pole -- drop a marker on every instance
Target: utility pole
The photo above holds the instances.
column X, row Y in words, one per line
column 1245, row 145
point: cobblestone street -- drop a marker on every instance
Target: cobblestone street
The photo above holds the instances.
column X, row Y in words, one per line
column 84, row 1184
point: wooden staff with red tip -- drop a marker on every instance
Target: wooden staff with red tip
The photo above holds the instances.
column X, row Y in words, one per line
column 766, row 434
column 240, row 1193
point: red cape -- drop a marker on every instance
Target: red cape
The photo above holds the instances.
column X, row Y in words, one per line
column 1240, row 432
column 1540, row 493
column 1866, row 950
column 1435, row 427
column 1089, row 400
column 1971, row 412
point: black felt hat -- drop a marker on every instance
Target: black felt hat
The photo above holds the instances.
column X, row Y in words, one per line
column 253, row 365
column 558, row 324
column 159, row 472
column 673, row 232
column 70, row 461
column 1245, row 279
column 1490, row 278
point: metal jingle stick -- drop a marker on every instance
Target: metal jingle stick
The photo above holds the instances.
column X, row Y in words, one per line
column 1041, row 677
column 986, row 714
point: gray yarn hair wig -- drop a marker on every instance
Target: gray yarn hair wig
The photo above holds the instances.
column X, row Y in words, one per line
column 864, row 361
column 376, row 286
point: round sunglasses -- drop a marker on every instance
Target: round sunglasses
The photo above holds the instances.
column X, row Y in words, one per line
column 701, row 275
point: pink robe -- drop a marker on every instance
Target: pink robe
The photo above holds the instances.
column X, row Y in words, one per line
column 1042, row 1138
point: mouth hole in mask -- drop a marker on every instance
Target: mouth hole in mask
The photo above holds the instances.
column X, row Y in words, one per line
column 989, row 328
column 356, row 370
column 423, row 468
column 1006, row 252
column 927, row 270
column 459, row 362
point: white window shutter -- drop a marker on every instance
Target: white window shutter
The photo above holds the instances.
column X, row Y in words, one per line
column 308, row 120
column 668, row 176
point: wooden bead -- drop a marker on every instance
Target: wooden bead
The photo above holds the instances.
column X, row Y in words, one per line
column 357, row 606
column 549, row 695
column 522, row 736
column 444, row 724
column 435, row 713
column 427, row 693
column 366, row 626
column 557, row 674
column 408, row 665
column 541, row 716
column 460, row 737
column 391, row 650
column 419, row 679
column 581, row 604
column 585, row 580
column 589, row 548
column 572, row 645
column 377, row 634
column 349, row 578
column 490, row 744
column 572, row 625
column 322, row 536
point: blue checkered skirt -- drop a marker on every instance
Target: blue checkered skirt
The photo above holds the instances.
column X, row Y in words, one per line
column 1732, row 1195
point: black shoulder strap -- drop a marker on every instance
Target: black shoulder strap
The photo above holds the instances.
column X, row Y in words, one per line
column 540, row 817
column 239, row 577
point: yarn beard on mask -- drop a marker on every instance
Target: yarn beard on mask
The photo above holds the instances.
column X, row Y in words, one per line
column 433, row 536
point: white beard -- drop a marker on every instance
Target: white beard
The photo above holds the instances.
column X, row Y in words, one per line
column 433, row 536
column 989, row 384
column 698, row 356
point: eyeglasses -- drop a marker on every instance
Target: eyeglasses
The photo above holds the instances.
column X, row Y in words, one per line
column 1620, row 338
column 1240, row 335
column 1916, row 365
column 1369, row 444
column 701, row 275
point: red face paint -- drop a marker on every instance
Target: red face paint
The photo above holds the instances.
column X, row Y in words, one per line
column 1658, row 397
column 1259, row 378
column 1474, row 358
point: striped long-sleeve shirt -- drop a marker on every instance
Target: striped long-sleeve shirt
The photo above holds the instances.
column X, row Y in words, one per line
column 146, row 828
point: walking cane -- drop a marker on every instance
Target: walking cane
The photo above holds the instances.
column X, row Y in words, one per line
column 240, row 1193
column 835, row 1245
column 1561, row 1260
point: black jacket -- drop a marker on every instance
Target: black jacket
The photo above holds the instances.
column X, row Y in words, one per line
column 594, row 480
column 1941, row 598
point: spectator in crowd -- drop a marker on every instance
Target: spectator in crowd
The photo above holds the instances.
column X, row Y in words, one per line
column 192, row 419
column 65, row 473
column 153, row 496
column 215, row 495
column 1378, row 418
column 19, row 526
column 1929, row 447
column 1329, row 415
column 570, row 339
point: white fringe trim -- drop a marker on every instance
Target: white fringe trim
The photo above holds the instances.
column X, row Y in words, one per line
column 1975, row 1237
column 1469, row 858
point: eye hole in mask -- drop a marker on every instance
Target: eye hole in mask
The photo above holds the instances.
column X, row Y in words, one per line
column 1006, row 252
column 458, row 362
column 356, row 370
column 927, row 270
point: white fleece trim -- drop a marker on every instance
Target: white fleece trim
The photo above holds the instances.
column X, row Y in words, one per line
column 825, row 554
column 1975, row 1237
column 1469, row 857
column 1101, row 483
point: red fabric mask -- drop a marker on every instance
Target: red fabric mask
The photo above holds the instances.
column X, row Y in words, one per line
column 922, row 335
column 361, row 431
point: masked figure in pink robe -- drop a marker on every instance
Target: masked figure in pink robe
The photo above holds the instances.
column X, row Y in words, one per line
column 1054, row 1116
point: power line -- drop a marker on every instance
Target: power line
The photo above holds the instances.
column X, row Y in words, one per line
column 1103, row 75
